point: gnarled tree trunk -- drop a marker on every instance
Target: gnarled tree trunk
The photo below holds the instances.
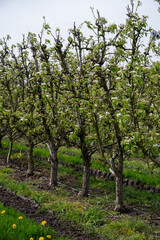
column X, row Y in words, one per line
column 86, row 168
column 9, row 154
column 30, row 170
column 53, row 181
column 119, row 185
column 119, row 194
column 86, row 175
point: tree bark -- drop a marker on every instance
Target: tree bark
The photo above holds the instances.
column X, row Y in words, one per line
column 119, row 193
column 30, row 170
column 86, row 170
column 9, row 154
column 53, row 182
column 86, row 175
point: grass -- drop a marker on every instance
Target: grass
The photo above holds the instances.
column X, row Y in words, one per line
column 94, row 214
column 131, row 195
column 138, row 170
column 14, row 225
column 127, row 228
column 16, row 145
column 143, row 176
column 141, row 198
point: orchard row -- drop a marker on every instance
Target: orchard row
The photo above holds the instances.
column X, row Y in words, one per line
column 98, row 92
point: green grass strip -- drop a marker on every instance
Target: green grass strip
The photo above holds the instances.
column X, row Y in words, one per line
column 14, row 225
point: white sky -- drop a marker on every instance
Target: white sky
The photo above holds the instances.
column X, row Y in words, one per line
column 19, row 17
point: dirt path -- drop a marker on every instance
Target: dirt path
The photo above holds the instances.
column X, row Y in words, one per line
column 99, row 174
column 31, row 209
column 62, row 228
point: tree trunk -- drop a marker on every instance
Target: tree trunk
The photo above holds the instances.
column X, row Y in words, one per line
column 9, row 154
column 119, row 193
column 30, row 170
column 86, row 173
column 53, row 182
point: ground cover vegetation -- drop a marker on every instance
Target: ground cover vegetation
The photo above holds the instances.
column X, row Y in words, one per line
column 94, row 214
column 98, row 93
column 14, row 225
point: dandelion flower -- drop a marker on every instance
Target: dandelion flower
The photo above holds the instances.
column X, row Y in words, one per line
column 31, row 238
column 20, row 217
column 43, row 223
column 3, row 212
column 14, row 226
column 48, row 236
column 41, row 238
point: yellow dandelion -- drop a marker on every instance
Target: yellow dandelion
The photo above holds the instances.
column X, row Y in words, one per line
column 31, row 238
column 43, row 223
column 20, row 217
column 3, row 212
column 48, row 236
column 14, row 226
column 41, row 238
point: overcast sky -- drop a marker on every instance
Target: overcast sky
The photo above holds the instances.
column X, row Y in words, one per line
column 19, row 17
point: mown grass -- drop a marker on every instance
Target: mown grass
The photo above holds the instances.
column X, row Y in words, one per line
column 16, row 145
column 14, row 225
column 138, row 170
column 127, row 228
column 94, row 214
column 142, row 175
column 131, row 195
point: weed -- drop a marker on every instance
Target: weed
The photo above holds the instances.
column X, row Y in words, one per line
column 6, row 170
column 14, row 225
column 127, row 228
column 94, row 213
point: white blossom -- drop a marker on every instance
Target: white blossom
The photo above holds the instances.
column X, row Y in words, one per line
column 114, row 98
column 118, row 114
column 133, row 71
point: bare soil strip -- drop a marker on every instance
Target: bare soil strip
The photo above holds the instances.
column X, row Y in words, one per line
column 31, row 209
column 99, row 174
column 62, row 228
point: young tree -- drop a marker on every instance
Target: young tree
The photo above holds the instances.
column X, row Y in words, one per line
column 29, row 121
column 9, row 93
column 76, row 70
column 117, row 66
column 51, row 102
